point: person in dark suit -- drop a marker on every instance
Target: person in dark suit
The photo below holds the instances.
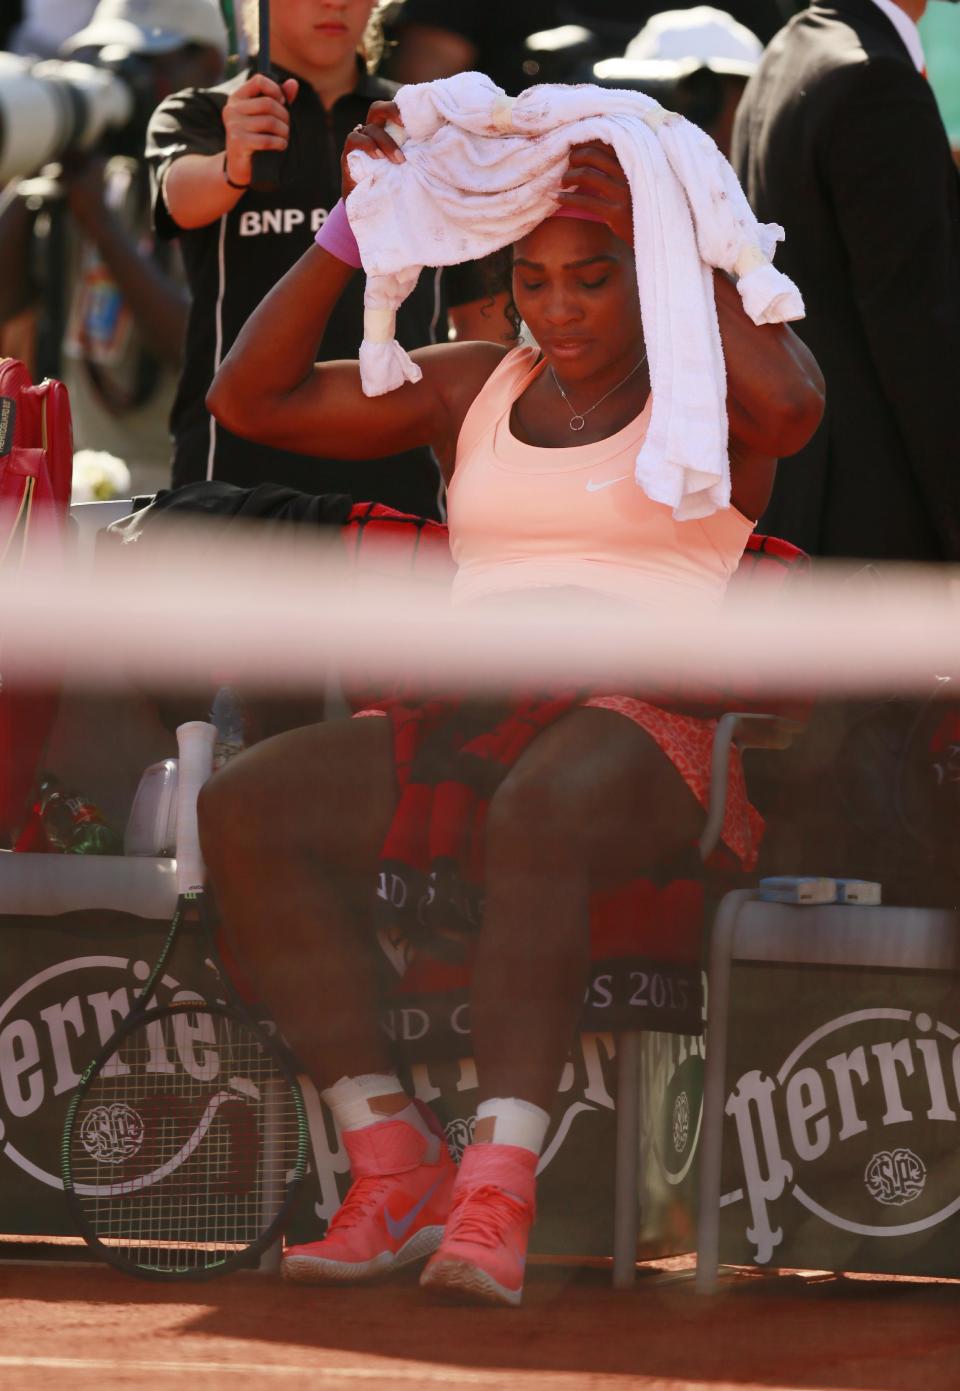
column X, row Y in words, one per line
column 839, row 139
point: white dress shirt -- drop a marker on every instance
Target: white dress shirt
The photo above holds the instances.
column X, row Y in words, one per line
column 907, row 30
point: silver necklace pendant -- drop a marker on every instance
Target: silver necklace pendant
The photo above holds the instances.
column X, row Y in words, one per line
column 578, row 421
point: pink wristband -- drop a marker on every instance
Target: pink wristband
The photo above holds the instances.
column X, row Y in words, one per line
column 336, row 237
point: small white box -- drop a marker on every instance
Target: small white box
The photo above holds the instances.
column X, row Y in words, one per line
column 865, row 891
column 799, row 888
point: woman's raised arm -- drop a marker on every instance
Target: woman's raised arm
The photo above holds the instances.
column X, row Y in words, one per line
column 775, row 390
column 269, row 387
column 775, row 395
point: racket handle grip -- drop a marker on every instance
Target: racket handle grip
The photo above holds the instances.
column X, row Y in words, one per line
column 195, row 744
column 266, row 170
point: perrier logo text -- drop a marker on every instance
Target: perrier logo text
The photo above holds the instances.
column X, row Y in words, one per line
column 857, row 1119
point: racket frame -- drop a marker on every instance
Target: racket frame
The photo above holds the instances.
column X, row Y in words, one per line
column 195, row 741
column 238, row 1259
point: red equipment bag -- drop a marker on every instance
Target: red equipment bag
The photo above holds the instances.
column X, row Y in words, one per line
column 36, row 470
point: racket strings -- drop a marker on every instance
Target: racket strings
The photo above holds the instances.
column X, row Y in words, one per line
column 185, row 1142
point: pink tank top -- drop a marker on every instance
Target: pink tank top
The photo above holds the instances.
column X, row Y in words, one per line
column 520, row 516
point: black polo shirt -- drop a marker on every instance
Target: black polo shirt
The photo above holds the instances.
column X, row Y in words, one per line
column 233, row 262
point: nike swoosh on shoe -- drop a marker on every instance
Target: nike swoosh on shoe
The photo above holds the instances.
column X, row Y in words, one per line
column 398, row 1227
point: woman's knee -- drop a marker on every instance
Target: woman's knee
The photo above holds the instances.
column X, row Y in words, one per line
column 323, row 794
column 232, row 817
column 533, row 819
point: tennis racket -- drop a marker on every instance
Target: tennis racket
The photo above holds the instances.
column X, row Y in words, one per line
column 266, row 166
column 186, row 1139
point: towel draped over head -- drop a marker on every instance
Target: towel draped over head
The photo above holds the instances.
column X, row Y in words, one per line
column 483, row 169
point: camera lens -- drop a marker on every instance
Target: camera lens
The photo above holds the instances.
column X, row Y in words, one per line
column 50, row 108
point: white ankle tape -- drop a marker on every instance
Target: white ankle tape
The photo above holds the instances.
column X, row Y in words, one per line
column 349, row 1099
column 514, row 1122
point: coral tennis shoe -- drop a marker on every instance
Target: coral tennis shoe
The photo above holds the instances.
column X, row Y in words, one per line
column 484, row 1249
column 393, row 1214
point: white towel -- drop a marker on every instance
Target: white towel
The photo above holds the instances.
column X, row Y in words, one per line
column 483, row 169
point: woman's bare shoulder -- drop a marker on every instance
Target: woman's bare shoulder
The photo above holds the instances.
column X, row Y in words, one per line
column 459, row 371
column 450, row 362
column 455, row 374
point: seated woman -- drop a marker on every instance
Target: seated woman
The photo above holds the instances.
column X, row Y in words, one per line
column 292, row 829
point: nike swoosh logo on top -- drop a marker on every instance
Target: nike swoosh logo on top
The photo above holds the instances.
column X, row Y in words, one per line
column 398, row 1227
column 593, row 487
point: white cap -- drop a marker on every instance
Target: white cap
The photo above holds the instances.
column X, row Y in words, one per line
column 676, row 42
column 152, row 26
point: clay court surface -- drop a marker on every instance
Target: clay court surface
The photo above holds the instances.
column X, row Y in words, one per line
column 86, row 1326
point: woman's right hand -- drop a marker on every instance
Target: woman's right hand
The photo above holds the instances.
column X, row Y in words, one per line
column 595, row 182
column 256, row 117
column 373, row 139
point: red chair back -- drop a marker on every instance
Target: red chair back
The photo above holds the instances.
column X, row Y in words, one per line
column 771, row 562
column 376, row 536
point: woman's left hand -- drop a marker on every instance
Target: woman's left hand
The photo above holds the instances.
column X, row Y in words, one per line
column 595, row 181
column 373, row 139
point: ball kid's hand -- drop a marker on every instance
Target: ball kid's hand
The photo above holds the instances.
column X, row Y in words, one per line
column 256, row 117
column 594, row 181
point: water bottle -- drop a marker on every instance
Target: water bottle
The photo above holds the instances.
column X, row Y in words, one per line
column 227, row 715
column 152, row 824
column 73, row 825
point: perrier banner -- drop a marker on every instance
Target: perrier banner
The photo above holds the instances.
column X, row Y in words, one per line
column 842, row 1120
column 67, row 981
column 65, row 984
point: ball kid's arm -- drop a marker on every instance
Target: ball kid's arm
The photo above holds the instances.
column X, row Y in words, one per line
column 198, row 189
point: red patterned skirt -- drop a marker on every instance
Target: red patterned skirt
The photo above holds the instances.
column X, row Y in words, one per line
column 451, row 756
column 687, row 741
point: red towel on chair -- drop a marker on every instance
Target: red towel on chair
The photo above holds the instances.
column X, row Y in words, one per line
column 450, row 758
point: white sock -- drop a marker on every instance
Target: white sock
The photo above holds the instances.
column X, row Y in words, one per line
column 506, row 1120
column 353, row 1101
